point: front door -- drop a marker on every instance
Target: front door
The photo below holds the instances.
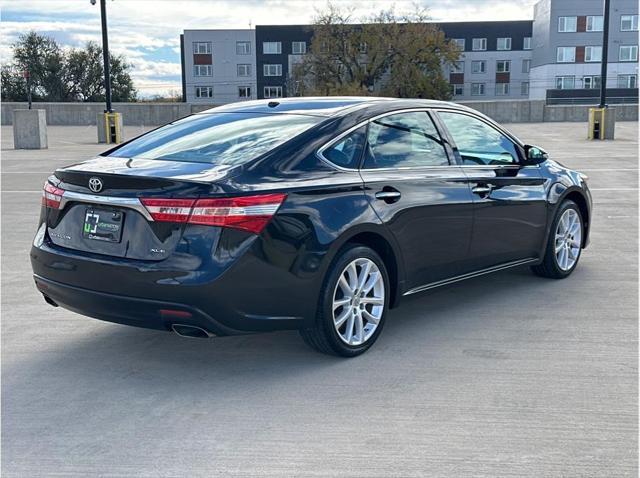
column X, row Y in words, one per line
column 510, row 209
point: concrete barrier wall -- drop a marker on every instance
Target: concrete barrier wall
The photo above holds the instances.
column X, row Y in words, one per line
column 149, row 114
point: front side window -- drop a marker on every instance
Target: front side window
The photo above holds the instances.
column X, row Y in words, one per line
column 202, row 47
column 565, row 82
column 628, row 52
column 595, row 23
column 272, row 70
column 627, row 81
column 629, row 23
column 477, row 89
column 478, row 66
column 272, row 47
column 504, row 43
column 244, row 70
column 503, row 66
column 593, row 53
column 347, row 151
column 566, row 54
column 202, row 70
column 526, row 44
column 479, row 44
column 272, row 91
column 243, row 48
column 217, row 138
column 567, row 24
column 298, row 47
column 479, row 143
column 404, row 140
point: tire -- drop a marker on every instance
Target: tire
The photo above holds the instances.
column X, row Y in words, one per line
column 554, row 265
column 364, row 312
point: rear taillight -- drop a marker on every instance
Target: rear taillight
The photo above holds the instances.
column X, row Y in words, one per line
column 249, row 213
column 51, row 196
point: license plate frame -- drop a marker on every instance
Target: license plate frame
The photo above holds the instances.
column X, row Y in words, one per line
column 103, row 225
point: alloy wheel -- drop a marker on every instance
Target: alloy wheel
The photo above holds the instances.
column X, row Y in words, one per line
column 568, row 239
column 358, row 301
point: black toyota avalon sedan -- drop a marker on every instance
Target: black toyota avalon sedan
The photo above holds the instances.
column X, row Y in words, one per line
column 315, row 214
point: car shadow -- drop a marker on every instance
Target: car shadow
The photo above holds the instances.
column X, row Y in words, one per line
column 139, row 360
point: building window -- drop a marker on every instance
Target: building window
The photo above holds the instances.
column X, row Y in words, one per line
column 629, row 23
column 272, row 70
column 457, row 67
column 524, row 88
column 526, row 66
column 504, row 43
column 591, row 82
column 478, row 66
column 459, row 43
column 595, row 23
column 479, row 44
column 244, row 92
column 244, row 70
column 593, row 53
column 204, row 91
column 202, row 70
column 503, row 66
column 363, row 47
column 477, row 89
column 243, row 48
column 565, row 82
column 567, row 24
column 526, row 43
column 202, row 47
column 298, row 47
column 271, row 47
column 502, row 89
column 628, row 52
column 273, row 91
column 566, row 54
column 627, row 81
column 458, row 90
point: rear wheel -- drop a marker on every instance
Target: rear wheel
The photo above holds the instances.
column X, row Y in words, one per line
column 564, row 244
column 352, row 305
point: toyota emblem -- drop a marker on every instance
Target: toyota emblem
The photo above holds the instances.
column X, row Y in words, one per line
column 95, row 184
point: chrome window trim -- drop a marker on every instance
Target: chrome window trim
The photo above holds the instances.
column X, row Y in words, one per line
column 129, row 203
column 366, row 122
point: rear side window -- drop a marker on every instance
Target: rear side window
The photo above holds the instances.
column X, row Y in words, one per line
column 217, row 138
column 477, row 142
column 347, row 151
column 404, row 140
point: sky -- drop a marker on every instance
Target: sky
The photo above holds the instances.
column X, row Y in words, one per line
column 147, row 32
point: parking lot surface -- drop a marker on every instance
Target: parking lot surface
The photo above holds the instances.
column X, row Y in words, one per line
column 504, row 375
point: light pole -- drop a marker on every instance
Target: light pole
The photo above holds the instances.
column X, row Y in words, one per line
column 105, row 54
column 605, row 52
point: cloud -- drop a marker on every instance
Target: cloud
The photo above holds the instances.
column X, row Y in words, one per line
column 144, row 29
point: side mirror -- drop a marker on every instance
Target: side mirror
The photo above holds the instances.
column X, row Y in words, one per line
column 535, row 155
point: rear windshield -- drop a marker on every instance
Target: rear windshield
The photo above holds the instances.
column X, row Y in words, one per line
column 218, row 138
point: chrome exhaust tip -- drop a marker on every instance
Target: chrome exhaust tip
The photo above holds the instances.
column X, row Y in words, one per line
column 190, row 331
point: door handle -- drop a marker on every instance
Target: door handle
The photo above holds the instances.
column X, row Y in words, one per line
column 388, row 196
column 481, row 190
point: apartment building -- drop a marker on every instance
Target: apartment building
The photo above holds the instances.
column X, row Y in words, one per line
column 560, row 49
column 218, row 66
column 567, row 46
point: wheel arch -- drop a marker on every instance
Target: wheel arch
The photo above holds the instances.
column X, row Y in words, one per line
column 559, row 193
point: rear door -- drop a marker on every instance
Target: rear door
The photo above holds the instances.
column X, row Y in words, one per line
column 510, row 211
column 421, row 197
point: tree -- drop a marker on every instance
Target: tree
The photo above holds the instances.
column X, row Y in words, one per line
column 58, row 75
column 388, row 55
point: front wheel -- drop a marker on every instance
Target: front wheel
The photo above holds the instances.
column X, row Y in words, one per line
column 352, row 306
column 564, row 244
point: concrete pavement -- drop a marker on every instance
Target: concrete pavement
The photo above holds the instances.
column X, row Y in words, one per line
column 505, row 375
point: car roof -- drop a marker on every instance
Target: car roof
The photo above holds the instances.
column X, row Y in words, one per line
column 328, row 106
